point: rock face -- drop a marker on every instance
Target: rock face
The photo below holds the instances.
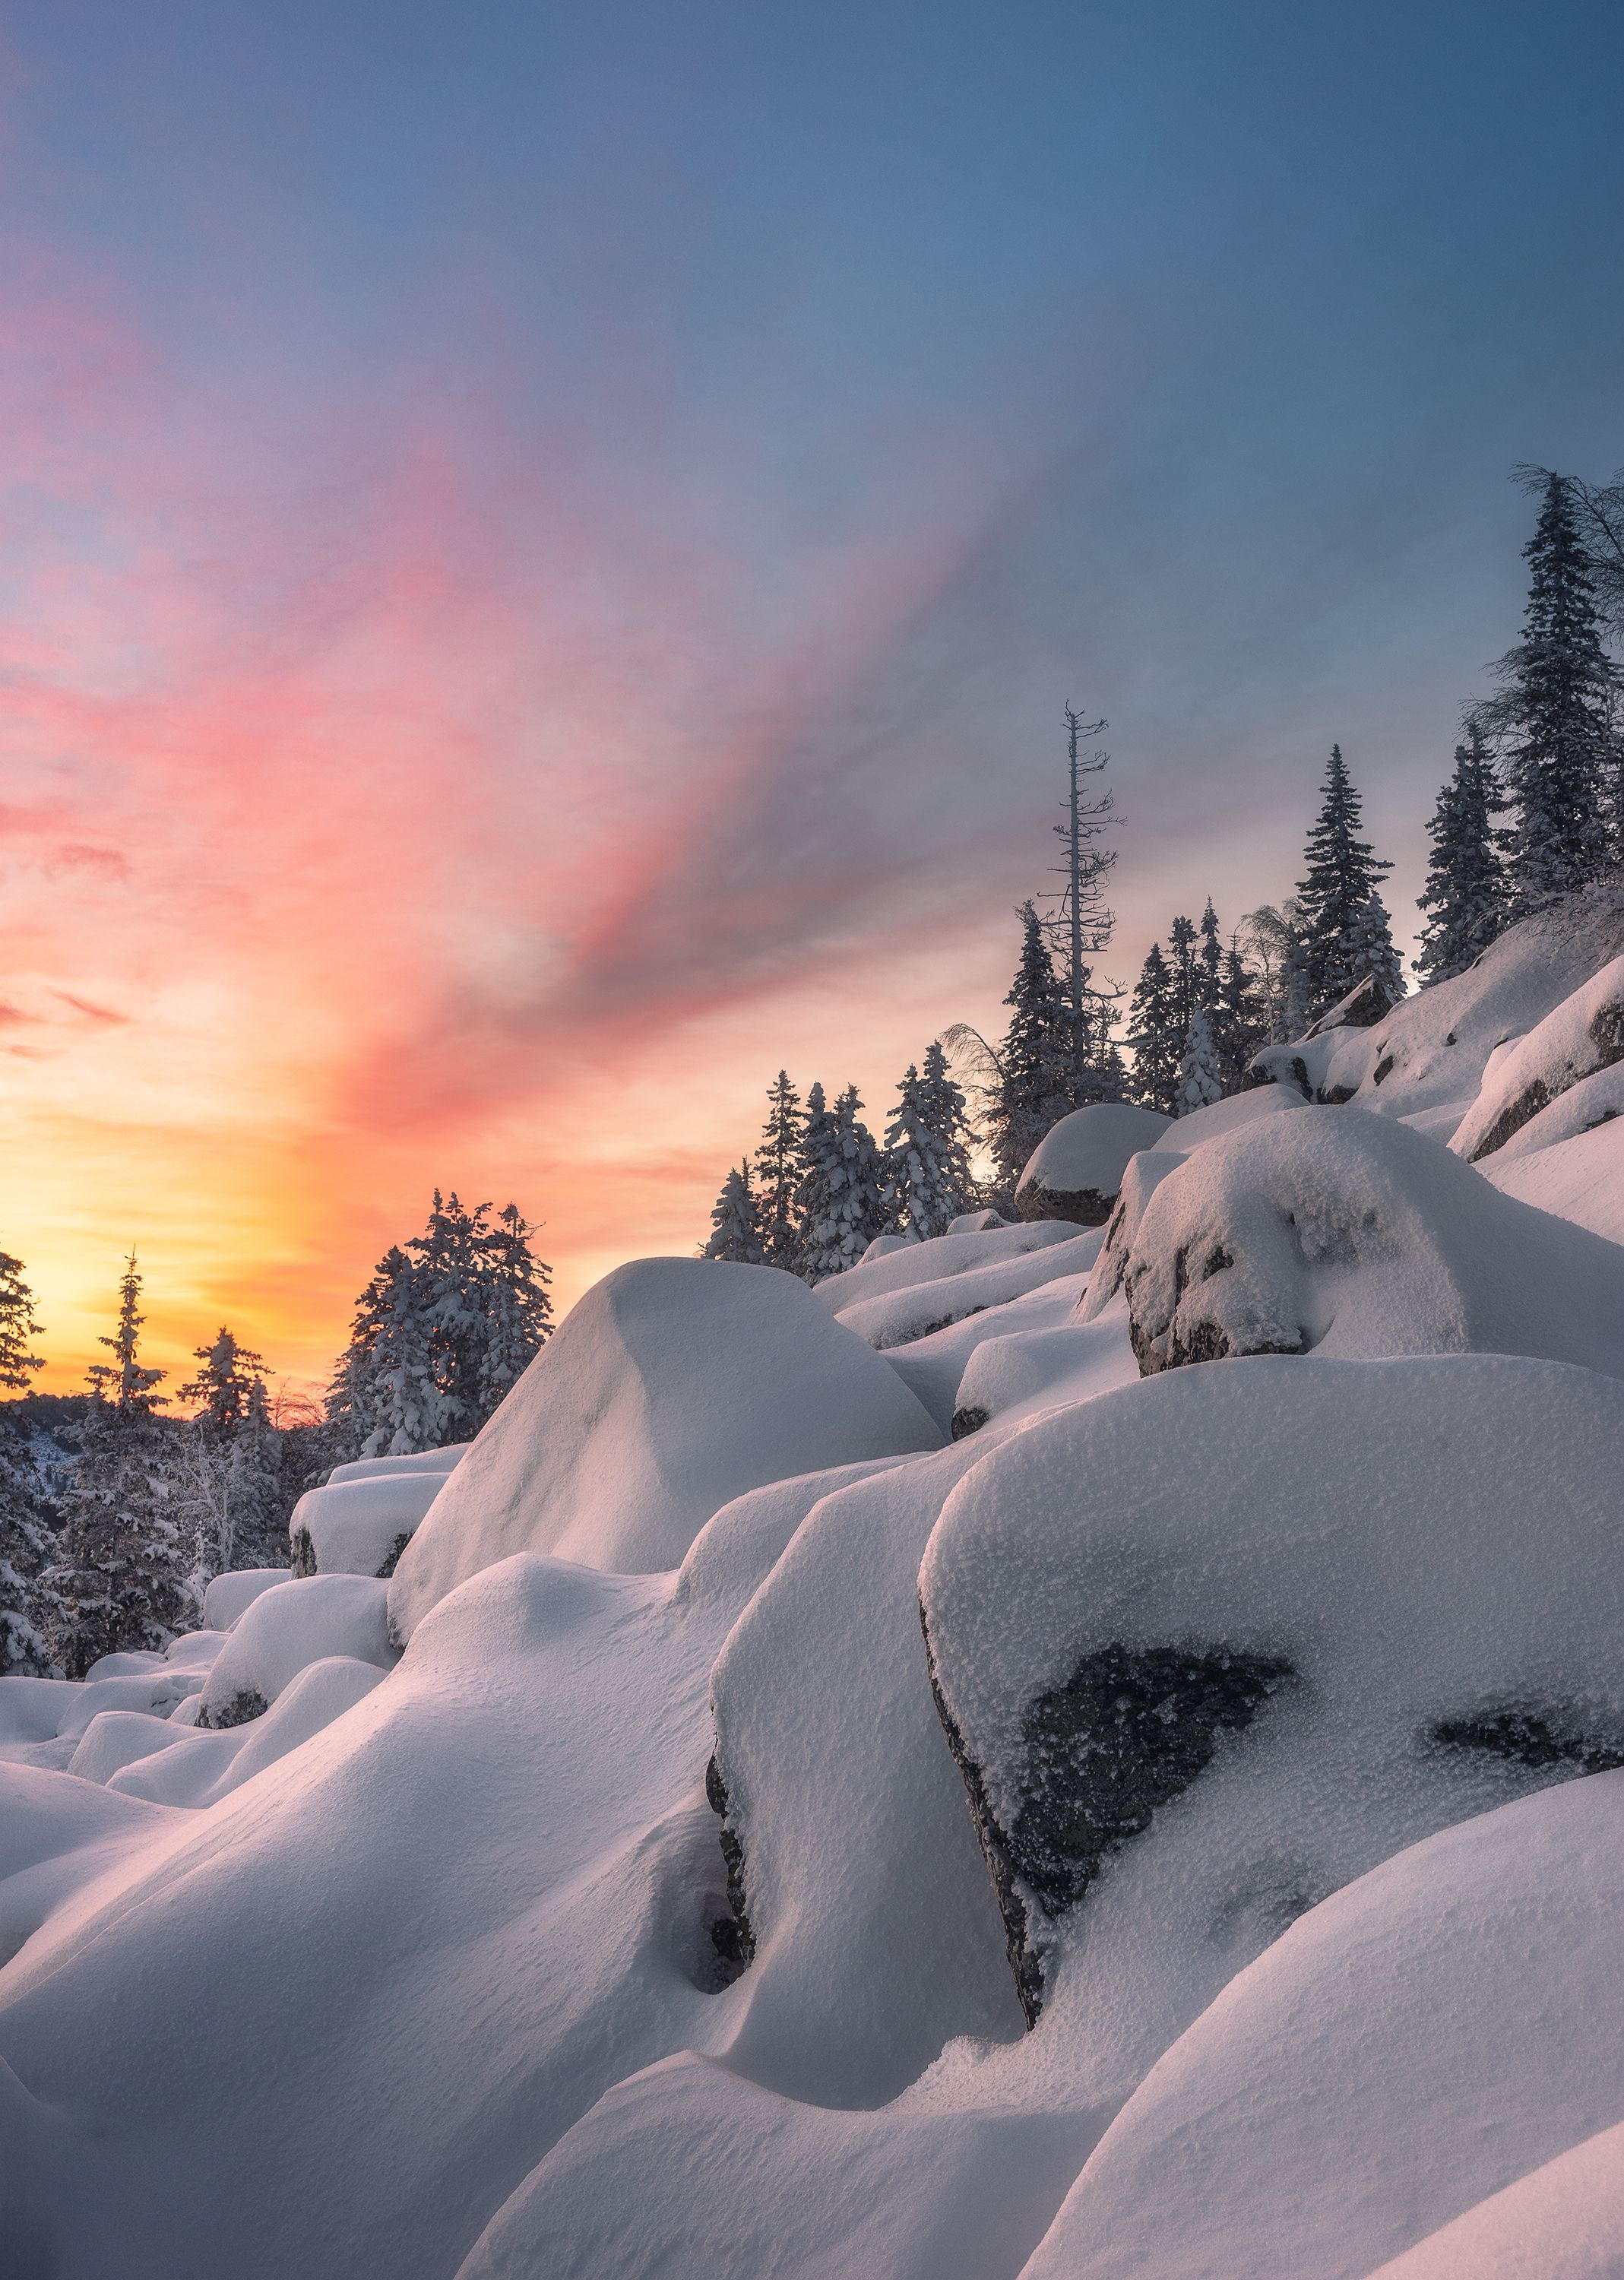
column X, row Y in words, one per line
column 1578, row 1039
column 1076, row 1171
column 1124, row 1734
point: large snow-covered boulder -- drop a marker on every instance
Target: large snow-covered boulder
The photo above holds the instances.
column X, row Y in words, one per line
column 673, row 1387
column 360, row 1527
column 1411, row 2051
column 1076, row 1170
column 232, row 1594
column 1433, row 1048
column 1351, row 1234
column 1200, row 1125
column 301, row 1621
column 1210, row 1647
column 1583, row 1035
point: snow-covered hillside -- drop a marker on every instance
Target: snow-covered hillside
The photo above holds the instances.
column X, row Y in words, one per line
column 1070, row 1750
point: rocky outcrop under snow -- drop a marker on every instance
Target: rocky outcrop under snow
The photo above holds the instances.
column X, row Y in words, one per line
column 1076, row 1171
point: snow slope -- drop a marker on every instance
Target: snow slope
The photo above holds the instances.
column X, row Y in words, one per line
column 928, row 1779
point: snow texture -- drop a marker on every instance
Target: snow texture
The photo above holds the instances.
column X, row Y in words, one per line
column 672, row 1388
column 1580, row 1179
column 1583, row 1034
column 920, row 1308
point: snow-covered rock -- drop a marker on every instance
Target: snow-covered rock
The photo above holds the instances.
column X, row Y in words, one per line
column 56, row 1836
column 420, row 1460
column 1432, row 1048
column 672, row 1388
column 301, row 1621
column 360, row 1527
column 1578, row 1038
column 231, row 1594
column 197, row 1769
column 926, row 1303
column 1076, row 1169
column 1211, row 1123
column 1351, row 1234
column 1191, row 1699
column 884, row 1273
column 1414, row 2048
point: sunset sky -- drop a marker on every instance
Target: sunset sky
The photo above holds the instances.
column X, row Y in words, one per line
column 544, row 548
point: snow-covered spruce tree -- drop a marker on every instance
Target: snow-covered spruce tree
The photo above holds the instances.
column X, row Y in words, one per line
column 224, row 1505
column 1236, row 1019
column 1209, row 958
column 517, row 1311
column 1200, row 1081
column 1465, row 898
column 734, row 1233
column 388, row 1386
column 1153, row 1038
column 844, row 1187
column 1550, row 722
column 1186, row 980
column 119, row 1574
column 926, row 1173
column 779, row 1169
column 27, row 1536
column 1031, row 1090
column 1344, row 922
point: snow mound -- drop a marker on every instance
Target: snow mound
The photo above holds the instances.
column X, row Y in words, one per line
column 880, row 1274
column 1077, row 1167
column 673, row 1387
column 1433, row 1048
column 1581, row 1036
column 420, row 1461
column 1191, row 1700
column 301, row 1621
column 1354, row 1235
column 1210, row 1123
column 1581, row 1179
column 360, row 1527
column 231, row 1594
column 117, row 1738
column 922, row 1308
column 933, row 1366
column 56, row 1836
column 200, row 1769
column 1424, row 2040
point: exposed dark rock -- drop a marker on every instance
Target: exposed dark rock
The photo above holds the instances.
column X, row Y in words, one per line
column 966, row 1422
column 929, row 1329
column 1364, row 1004
column 1607, row 1033
column 1085, row 1206
column 1383, row 1068
column 1128, row 1731
column 1513, row 1117
column 303, row 1552
column 1528, row 1739
column 392, row 1558
column 1333, row 1095
column 244, row 1706
column 730, row 1932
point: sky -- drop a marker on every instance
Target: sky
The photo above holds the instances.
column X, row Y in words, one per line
column 543, row 549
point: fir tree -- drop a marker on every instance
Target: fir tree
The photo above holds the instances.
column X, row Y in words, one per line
column 228, row 1501
column 844, row 1191
column 1200, row 1081
column 1081, row 925
column 1031, row 1093
column 1552, row 720
column 119, row 1572
column 1465, row 896
column 1236, row 1021
column 26, row 1536
column 926, row 1173
column 517, row 1305
column 225, row 1384
column 1209, row 960
column 1153, row 1035
column 1186, row 978
column 779, row 1170
column 735, row 1233
column 1345, row 925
